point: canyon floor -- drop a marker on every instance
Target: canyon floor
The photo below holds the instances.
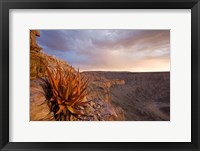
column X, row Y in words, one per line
column 143, row 96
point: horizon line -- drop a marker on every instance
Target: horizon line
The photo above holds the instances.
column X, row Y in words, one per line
column 120, row 71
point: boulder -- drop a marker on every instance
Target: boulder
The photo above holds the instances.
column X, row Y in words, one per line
column 39, row 109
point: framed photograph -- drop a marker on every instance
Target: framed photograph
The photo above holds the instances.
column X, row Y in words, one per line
column 100, row 75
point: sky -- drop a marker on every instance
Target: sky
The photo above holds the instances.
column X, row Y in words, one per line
column 109, row 50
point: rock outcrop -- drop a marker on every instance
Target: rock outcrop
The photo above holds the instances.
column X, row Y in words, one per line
column 33, row 44
column 39, row 110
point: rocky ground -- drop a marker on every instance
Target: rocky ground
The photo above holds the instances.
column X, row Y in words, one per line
column 141, row 96
column 99, row 107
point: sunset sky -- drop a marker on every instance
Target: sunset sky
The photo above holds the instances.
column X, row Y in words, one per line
column 109, row 50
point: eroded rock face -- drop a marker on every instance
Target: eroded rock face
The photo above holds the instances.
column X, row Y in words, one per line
column 33, row 44
column 109, row 83
column 38, row 58
column 39, row 110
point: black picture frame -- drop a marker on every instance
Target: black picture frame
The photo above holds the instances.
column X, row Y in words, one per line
column 5, row 5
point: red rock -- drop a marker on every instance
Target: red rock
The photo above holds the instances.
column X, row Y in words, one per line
column 39, row 110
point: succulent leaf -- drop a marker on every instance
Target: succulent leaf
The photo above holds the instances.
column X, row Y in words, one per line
column 69, row 91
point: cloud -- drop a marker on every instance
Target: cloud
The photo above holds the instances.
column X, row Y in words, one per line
column 129, row 50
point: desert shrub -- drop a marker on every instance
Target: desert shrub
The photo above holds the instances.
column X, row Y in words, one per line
column 67, row 91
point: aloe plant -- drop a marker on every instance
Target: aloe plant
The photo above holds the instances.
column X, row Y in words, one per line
column 68, row 92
